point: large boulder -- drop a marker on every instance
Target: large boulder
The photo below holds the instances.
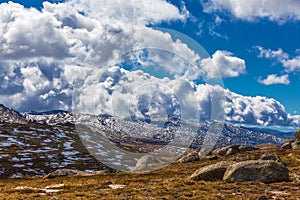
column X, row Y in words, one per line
column 296, row 145
column 273, row 157
column 190, row 157
column 213, row 172
column 268, row 146
column 66, row 172
column 72, row 172
column 266, row 171
column 288, row 143
column 150, row 162
column 247, row 148
column 227, row 151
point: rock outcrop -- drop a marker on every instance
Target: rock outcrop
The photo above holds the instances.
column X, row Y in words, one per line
column 150, row 162
column 226, row 151
column 291, row 144
column 296, row 145
column 213, row 172
column 72, row 172
column 232, row 150
column 273, row 157
column 266, row 171
column 190, row 157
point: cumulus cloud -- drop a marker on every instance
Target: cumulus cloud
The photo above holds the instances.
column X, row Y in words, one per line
column 30, row 33
column 274, row 10
column 87, row 31
column 295, row 119
column 33, row 80
column 226, row 65
column 135, row 93
column 255, row 110
column 273, row 79
column 269, row 53
column 59, row 58
column 291, row 64
column 43, row 52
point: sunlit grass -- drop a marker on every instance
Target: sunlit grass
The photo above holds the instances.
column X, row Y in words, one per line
column 169, row 183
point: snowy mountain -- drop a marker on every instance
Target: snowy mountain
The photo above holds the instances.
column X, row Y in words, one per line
column 34, row 145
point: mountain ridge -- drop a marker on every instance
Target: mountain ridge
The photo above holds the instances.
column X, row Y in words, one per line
column 11, row 116
column 34, row 145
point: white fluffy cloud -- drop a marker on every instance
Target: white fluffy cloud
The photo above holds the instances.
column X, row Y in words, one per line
column 84, row 30
column 43, row 52
column 274, row 10
column 130, row 11
column 46, row 54
column 273, row 79
column 30, row 33
column 226, row 64
column 34, row 80
column 269, row 53
column 291, row 64
column 120, row 89
column 255, row 110
column 295, row 119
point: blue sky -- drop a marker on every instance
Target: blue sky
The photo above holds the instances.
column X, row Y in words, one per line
column 240, row 37
column 32, row 3
column 259, row 43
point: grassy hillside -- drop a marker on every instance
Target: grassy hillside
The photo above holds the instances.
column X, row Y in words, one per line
column 169, row 183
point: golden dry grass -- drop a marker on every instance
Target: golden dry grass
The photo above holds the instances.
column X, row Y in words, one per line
column 169, row 183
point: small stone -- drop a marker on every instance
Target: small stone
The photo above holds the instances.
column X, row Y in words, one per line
column 116, row 186
column 55, row 186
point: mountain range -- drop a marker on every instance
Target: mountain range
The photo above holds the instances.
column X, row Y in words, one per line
column 34, row 144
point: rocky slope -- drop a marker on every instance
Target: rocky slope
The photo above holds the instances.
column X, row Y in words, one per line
column 11, row 116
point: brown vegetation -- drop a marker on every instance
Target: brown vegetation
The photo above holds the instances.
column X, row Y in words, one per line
column 170, row 183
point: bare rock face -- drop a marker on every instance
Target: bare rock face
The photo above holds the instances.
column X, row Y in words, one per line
column 266, row 171
column 213, row 172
